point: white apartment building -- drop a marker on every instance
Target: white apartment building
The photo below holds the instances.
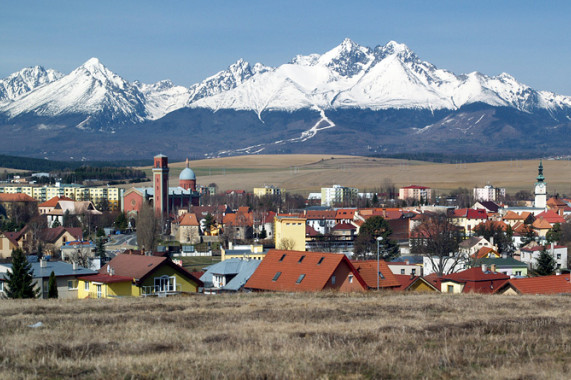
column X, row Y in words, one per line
column 489, row 193
column 337, row 194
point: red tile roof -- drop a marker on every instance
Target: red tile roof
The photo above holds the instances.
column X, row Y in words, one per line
column 477, row 281
column 551, row 217
column 407, row 281
column 50, row 235
column 318, row 267
column 345, row 213
column 18, row 197
column 343, row 227
column 486, row 252
column 321, row 214
column 189, row 219
column 555, row 284
column 310, row 231
column 54, row 201
column 368, row 271
column 469, row 213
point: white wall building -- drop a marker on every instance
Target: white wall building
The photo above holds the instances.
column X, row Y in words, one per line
column 559, row 253
column 489, row 193
column 337, row 194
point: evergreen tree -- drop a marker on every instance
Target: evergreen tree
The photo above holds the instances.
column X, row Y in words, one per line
column 19, row 278
column 366, row 242
column 52, row 286
column 263, row 233
column 121, row 222
column 100, row 248
column 40, row 253
column 554, row 234
column 56, row 223
column 545, row 264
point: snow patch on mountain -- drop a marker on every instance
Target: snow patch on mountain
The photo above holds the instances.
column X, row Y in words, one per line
column 26, row 80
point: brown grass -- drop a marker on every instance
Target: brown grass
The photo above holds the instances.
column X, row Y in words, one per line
column 305, row 173
column 289, row 336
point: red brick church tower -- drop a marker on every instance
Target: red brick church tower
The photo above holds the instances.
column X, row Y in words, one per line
column 161, row 186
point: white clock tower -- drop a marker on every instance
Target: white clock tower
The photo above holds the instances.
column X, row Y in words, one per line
column 540, row 189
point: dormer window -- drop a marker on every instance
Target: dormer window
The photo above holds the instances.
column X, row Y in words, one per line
column 301, row 259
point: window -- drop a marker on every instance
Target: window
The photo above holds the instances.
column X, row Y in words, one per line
column 450, row 288
column 518, row 273
column 320, row 260
column 402, row 271
column 277, row 275
column 301, row 259
column 282, row 258
column 86, row 286
column 381, row 276
column 165, row 283
column 71, row 284
column 350, row 278
column 558, row 256
column 413, row 271
column 300, row 278
column 333, row 280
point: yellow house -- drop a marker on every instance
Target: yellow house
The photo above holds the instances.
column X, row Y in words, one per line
column 268, row 190
column 289, row 232
column 136, row 275
column 253, row 252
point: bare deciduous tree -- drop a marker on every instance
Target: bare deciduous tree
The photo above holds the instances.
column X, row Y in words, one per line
column 286, row 244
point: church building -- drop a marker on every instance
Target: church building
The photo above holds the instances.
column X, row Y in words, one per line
column 165, row 200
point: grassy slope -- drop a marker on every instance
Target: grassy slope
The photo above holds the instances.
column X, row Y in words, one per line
column 289, row 336
column 305, row 173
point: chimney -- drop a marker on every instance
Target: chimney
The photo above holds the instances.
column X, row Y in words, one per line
column 74, row 265
column 230, row 245
column 558, row 272
column 43, row 263
column 493, row 268
column 484, row 268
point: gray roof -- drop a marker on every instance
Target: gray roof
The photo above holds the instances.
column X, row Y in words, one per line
column 59, row 268
column 243, row 269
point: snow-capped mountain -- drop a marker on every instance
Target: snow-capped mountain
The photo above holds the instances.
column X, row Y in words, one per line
column 389, row 76
column 351, row 99
column 91, row 90
column 26, row 80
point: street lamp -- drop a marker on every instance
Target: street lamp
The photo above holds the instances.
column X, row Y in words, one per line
column 379, row 240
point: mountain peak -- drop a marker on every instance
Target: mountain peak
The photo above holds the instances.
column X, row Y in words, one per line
column 93, row 64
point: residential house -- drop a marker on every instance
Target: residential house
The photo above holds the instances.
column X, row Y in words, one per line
column 268, row 191
column 512, row 218
column 300, row 271
column 149, row 275
column 486, row 253
column 556, row 284
column 322, row 221
column 80, row 209
column 368, row 271
column 415, row 284
column 406, row 267
column 467, row 219
column 344, row 231
column 345, row 215
column 66, row 277
column 473, row 244
column 54, row 238
column 473, row 280
column 530, row 254
column 228, row 275
column 541, row 227
column 11, row 202
column 47, row 206
column 241, row 223
column 506, row 265
column 8, row 242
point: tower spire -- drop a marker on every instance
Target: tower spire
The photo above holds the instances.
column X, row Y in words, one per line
column 540, row 177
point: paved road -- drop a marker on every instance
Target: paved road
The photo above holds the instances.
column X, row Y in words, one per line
column 117, row 241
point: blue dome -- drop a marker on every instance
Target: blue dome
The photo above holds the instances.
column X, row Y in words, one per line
column 187, row 174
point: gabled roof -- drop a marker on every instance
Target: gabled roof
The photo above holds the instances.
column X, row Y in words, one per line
column 490, row 206
column 471, row 241
column 52, row 202
column 541, row 247
column 17, row 197
column 345, row 213
column 485, row 252
column 50, row 235
column 469, row 213
column 476, row 280
column 139, row 267
column 368, row 271
column 500, row 262
column 310, row 231
column 11, row 236
column 511, row 215
column 555, row 284
column 321, row 214
column 241, row 269
column 406, row 282
column 495, row 224
column 318, row 267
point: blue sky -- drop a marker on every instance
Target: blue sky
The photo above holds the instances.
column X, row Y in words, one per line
column 186, row 41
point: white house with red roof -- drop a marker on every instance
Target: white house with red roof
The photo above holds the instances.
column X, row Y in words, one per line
column 529, row 255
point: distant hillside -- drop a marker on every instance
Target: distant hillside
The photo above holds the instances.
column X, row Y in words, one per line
column 42, row 165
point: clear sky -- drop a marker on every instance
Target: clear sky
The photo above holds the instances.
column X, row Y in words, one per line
column 186, row 41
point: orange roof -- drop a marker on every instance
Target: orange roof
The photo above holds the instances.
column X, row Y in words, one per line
column 189, row 219
column 555, row 284
column 493, row 224
column 476, row 280
column 281, row 271
column 321, row 214
column 368, row 270
column 541, row 224
column 486, row 252
column 18, row 197
column 54, row 201
column 345, row 213
column 551, row 216
column 511, row 215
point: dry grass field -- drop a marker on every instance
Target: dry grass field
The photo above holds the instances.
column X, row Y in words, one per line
column 289, row 336
column 307, row 173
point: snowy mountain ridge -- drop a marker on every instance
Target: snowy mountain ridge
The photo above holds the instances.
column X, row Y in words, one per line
column 347, row 76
